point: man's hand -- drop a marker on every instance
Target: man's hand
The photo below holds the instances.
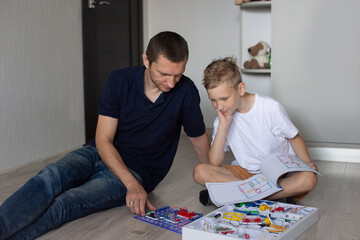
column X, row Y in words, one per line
column 137, row 200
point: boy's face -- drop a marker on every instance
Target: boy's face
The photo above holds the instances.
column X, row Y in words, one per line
column 225, row 98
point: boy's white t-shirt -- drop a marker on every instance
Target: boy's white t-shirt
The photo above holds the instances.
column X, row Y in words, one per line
column 262, row 131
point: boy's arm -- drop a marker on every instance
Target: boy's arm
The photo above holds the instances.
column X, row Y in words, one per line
column 216, row 153
column 300, row 149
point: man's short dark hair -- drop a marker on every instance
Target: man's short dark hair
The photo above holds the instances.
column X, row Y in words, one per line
column 170, row 44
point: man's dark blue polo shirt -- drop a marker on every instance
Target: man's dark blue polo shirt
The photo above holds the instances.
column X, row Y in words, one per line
column 148, row 133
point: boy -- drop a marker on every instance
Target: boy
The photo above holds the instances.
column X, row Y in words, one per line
column 252, row 126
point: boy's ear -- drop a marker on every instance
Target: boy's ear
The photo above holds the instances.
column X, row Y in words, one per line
column 145, row 60
column 242, row 89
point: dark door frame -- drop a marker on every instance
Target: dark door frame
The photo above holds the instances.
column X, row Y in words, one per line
column 136, row 49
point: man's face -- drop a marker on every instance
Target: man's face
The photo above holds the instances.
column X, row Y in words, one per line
column 225, row 98
column 164, row 73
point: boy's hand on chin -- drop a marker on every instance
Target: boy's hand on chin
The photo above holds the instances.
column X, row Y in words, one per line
column 224, row 119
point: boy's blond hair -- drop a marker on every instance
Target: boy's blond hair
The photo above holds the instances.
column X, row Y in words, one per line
column 222, row 70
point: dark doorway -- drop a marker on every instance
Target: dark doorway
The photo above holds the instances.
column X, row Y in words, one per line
column 112, row 39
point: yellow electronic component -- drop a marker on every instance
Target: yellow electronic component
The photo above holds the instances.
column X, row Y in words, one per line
column 233, row 216
column 267, row 221
column 264, row 207
column 278, row 227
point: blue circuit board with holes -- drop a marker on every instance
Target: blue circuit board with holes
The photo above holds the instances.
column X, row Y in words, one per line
column 168, row 218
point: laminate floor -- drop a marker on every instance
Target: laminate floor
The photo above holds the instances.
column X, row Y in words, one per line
column 337, row 196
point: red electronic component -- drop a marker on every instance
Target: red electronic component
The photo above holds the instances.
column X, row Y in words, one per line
column 186, row 214
column 252, row 219
column 226, row 232
column 278, row 209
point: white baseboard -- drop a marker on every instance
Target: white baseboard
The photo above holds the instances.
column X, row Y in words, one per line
column 335, row 154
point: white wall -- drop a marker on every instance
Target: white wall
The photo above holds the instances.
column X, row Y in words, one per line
column 41, row 79
column 211, row 28
column 315, row 71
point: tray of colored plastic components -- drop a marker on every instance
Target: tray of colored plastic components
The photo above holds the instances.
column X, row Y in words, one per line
column 262, row 220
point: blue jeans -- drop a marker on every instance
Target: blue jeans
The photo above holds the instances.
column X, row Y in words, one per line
column 77, row 185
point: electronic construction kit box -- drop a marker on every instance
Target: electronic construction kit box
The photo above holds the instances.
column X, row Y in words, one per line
column 262, row 220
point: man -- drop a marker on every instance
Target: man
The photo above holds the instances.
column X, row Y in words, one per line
column 140, row 116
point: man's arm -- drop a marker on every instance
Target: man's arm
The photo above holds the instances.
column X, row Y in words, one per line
column 105, row 132
column 201, row 146
column 300, row 149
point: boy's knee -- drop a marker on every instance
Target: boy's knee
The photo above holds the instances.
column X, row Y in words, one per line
column 309, row 181
column 199, row 172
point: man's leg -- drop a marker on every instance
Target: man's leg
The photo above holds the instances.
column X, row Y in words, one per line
column 32, row 199
column 102, row 191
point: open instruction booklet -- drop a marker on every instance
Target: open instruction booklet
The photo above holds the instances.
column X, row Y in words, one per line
column 260, row 185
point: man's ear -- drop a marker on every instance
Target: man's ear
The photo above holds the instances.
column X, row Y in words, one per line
column 242, row 89
column 145, row 60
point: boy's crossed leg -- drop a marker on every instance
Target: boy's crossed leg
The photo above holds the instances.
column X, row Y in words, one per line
column 295, row 184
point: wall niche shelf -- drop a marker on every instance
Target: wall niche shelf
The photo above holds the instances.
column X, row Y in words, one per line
column 255, row 26
column 260, row 4
column 250, row 11
column 261, row 71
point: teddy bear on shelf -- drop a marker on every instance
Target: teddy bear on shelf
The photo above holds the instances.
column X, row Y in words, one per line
column 259, row 56
column 239, row 2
